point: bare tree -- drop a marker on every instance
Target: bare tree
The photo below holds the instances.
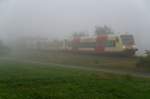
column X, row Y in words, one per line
column 103, row 30
column 3, row 48
column 79, row 34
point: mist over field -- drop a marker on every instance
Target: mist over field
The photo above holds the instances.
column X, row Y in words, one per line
column 60, row 18
column 67, row 49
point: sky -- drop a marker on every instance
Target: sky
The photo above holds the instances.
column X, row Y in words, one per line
column 60, row 18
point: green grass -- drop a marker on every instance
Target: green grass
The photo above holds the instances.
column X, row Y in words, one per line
column 33, row 81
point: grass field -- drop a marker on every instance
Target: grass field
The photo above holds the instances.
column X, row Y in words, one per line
column 33, row 81
column 119, row 63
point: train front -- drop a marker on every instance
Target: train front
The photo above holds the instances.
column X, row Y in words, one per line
column 128, row 44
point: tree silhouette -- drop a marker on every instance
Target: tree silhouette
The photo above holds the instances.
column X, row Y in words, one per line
column 3, row 48
column 103, row 30
column 79, row 34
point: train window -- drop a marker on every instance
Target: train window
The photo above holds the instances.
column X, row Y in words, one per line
column 127, row 39
column 87, row 45
column 101, row 43
column 110, row 43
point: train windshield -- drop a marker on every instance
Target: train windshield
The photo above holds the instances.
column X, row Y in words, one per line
column 127, row 39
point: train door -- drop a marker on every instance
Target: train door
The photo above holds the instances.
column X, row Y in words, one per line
column 75, row 44
column 100, row 43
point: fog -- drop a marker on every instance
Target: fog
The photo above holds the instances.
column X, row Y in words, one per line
column 60, row 18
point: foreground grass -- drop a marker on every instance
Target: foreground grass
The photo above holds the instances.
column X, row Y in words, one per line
column 32, row 81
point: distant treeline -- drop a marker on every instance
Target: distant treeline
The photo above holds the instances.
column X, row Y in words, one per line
column 3, row 48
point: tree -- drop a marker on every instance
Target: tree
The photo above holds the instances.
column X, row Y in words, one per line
column 79, row 34
column 3, row 48
column 103, row 30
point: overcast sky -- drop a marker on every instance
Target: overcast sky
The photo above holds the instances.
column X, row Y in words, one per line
column 59, row 18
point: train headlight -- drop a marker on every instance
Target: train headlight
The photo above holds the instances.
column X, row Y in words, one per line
column 124, row 47
column 134, row 46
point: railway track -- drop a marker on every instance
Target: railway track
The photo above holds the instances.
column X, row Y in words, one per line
column 119, row 72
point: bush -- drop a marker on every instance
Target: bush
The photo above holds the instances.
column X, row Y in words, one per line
column 96, row 61
column 144, row 61
column 4, row 50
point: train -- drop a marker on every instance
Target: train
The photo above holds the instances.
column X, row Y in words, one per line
column 109, row 44
column 106, row 44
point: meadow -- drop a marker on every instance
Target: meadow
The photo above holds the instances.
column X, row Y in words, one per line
column 21, row 80
column 84, row 60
